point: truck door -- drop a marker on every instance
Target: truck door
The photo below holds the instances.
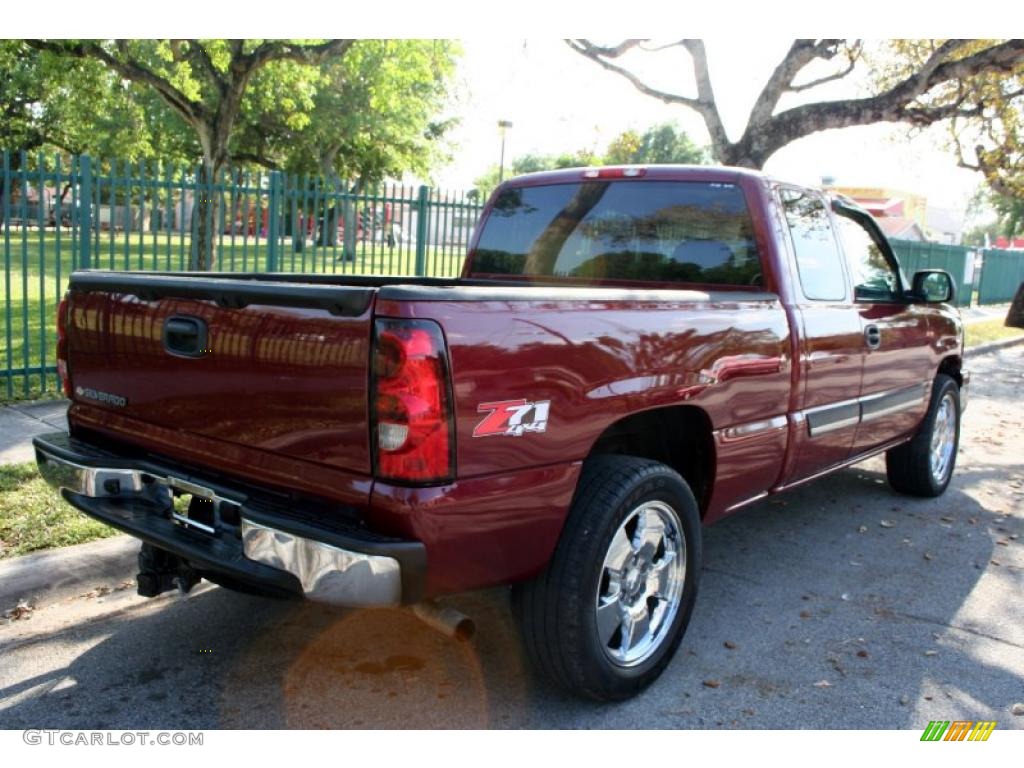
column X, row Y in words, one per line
column 898, row 366
column 831, row 355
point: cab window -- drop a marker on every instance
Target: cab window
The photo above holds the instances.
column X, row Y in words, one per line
column 814, row 244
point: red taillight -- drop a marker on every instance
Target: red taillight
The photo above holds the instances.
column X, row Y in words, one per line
column 62, row 347
column 412, row 417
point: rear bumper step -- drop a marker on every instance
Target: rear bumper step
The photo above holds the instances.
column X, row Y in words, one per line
column 250, row 540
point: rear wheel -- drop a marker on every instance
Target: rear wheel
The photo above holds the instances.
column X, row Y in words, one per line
column 606, row 616
column 924, row 466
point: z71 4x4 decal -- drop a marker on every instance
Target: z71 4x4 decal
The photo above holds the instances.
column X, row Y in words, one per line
column 512, row 418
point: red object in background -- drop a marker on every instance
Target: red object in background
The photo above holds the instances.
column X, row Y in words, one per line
column 1005, row 243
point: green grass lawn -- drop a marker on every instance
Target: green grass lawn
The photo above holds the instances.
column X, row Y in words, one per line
column 36, row 267
column 33, row 516
column 989, row 330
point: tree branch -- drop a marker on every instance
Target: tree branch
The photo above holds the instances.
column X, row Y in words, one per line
column 801, row 53
column 706, row 104
column 197, row 53
column 851, row 64
column 275, row 50
column 597, row 53
column 128, row 68
column 893, row 105
column 256, row 158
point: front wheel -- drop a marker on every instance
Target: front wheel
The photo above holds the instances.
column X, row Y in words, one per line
column 924, row 466
column 605, row 617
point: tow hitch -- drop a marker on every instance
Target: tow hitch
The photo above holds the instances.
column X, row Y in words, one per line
column 160, row 571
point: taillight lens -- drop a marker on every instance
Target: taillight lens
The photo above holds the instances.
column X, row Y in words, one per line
column 62, row 346
column 413, row 435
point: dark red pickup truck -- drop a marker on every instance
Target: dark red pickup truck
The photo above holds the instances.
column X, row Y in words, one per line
column 629, row 354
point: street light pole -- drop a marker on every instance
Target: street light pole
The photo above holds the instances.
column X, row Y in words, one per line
column 503, row 125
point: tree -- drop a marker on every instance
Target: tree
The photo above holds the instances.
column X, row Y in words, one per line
column 1010, row 211
column 49, row 104
column 663, row 143
column 936, row 84
column 374, row 115
column 991, row 215
column 205, row 83
column 74, row 106
column 530, row 163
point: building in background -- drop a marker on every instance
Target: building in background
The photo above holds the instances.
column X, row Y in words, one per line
column 1009, row 243
column 904, row 215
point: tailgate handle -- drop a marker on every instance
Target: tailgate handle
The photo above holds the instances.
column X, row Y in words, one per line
column 185, row 336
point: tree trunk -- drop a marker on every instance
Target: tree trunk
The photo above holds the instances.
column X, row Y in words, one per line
column 205, row 219
column 14, row 163
column 328, row 217
column 351, row 223
column 740, row 155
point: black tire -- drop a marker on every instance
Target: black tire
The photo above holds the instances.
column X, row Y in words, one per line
column 557, row 611
column 909, row 467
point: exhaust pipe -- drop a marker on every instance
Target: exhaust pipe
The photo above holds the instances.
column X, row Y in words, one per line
column 445, row 620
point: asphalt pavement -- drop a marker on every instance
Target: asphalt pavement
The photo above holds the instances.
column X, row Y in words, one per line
column 837, row 605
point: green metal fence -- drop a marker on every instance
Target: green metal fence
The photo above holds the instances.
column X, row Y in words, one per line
column 59, row 214
column 1001, row 275
column 996, row 282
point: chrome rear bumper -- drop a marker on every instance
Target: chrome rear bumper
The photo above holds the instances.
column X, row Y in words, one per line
column 248, row 539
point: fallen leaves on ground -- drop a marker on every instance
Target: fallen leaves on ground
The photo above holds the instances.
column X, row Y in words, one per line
column 23, row 610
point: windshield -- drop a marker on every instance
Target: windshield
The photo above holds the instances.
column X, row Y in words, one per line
column 650, row 231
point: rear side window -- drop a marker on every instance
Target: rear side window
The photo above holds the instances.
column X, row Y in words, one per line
column 650, row 231
column 814, row 244
column 874, row 278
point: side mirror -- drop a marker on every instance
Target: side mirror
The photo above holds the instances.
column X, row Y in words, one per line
column 934, row 286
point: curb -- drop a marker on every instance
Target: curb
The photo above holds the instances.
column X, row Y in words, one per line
column 992, row 346
column 57, row 574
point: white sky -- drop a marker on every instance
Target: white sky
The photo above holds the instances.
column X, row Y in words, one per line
column 559, row 101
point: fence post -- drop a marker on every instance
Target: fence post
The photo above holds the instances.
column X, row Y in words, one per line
column 273, row 214
column 85, row 212
column 422, row 213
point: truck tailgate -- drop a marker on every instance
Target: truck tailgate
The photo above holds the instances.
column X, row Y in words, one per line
column 275, row 366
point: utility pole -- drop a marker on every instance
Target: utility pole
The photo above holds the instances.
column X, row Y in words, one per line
column 503, row 126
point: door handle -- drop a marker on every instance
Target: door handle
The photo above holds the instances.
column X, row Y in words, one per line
column 872, row 336
column 185, row 336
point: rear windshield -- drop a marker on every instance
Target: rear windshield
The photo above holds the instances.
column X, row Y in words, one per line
column 651, row 231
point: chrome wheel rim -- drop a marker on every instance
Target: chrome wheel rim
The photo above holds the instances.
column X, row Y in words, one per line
column 640, row 586
column 943, row 442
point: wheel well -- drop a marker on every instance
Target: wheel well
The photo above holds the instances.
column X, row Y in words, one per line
column 951, row 367
column 678, row 436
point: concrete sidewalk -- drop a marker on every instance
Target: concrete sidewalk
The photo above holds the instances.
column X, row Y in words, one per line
column 20, row 422
column 52, row 575
column 980, row 314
